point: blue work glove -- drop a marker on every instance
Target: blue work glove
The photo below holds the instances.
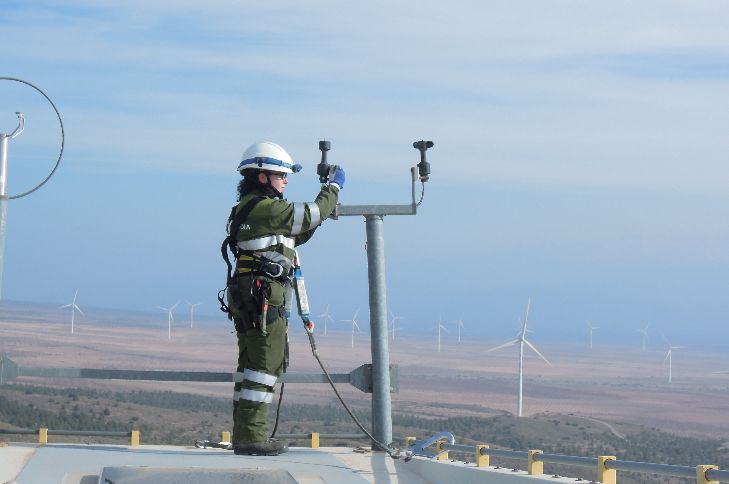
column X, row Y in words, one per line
column 338, row 178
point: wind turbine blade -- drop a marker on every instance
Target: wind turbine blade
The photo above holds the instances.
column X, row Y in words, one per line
column 677, row 347
column 357, row 326
column 537, row 352
column 175, row 305
column 444, row 328
column 505, row 345
column 667, row 355
column 665, row 339
column 64, row 306
column 78, row 309
column 163, row 309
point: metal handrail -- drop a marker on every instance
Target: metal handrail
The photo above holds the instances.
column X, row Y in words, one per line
column 592, row 462
column 566, row 459
column 650, row 468
column 324, row 436
column 81, row 433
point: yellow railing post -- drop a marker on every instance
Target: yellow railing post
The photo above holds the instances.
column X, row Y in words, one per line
column 410, row 441
column 43, row 435
column 135, row 438
column 315, row 440
column 225, row 437
column 535, row 466
column 439, row 448
column 482, row 460
column 701, row 474
column 605, row 475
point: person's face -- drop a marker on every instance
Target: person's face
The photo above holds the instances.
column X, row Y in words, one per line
column 278, row 180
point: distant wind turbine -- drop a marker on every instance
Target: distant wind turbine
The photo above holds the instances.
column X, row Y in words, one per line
column 669, row 357
column 592, row 328
column 74, row 308
column 354, row 324
column 326, row 316
column 192, row 309
column 170, row 318
column 459, row 325
column 644, row 332
column 440, row 326
column 393, row 323
column 521, row 340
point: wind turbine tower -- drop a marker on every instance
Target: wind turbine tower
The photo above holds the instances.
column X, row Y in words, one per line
column 459, row 325
column 170, row 318
column 192, row 310
column 521, row 340
column 592, row 328
column 74, row 308
column 441, row 327
column 669, row 357
column 393, row 323
column 354, row 324
column 644, row 332
column 326, row 316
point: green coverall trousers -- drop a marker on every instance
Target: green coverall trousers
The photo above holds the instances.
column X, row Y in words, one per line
column 263, row 357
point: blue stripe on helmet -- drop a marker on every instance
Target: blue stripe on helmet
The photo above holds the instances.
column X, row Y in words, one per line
column 259, row 160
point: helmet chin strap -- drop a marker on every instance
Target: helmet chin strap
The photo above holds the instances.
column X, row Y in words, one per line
column 268, row 186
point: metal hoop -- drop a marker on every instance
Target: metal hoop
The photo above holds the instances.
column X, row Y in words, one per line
column 63, row 136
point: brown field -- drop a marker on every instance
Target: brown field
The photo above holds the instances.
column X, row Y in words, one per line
column 619, row 385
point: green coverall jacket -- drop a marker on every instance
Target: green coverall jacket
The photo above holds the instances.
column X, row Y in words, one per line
column 273, row 229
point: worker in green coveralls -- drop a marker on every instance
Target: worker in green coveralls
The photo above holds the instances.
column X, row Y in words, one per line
column 266, row 229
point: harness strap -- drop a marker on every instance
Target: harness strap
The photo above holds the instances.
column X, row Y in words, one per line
column 235, row 220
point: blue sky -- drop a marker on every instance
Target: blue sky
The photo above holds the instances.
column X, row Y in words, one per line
column 580, row 154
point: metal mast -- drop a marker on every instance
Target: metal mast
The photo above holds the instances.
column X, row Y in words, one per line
column 374, row 220
column 4, row 139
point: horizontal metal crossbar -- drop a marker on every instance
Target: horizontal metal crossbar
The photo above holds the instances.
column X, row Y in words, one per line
column 349, row 210
column 360, row 377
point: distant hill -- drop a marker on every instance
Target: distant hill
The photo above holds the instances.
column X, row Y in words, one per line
column 179, row 418
column 19, row 311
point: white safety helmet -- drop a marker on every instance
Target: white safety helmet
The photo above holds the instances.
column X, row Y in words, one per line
column 268, row 156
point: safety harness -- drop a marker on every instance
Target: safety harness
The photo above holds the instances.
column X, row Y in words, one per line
column 235, row 220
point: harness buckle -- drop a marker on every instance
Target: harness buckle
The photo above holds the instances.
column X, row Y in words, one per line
column 267, row 266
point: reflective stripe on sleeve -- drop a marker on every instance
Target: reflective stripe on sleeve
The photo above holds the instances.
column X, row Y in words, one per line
column 267, row 241
column 315, row 215
column 259, row 377
column 253, row 396
column 299, row 211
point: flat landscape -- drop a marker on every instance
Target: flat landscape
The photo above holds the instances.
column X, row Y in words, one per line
column 613, row 386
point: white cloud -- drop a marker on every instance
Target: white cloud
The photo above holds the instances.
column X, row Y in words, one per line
column 558, row 92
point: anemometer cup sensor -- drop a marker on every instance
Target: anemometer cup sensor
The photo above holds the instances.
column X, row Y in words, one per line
column 423, row 166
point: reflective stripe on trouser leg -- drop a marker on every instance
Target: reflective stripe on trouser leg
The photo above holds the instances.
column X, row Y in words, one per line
column 263, row 354
column 256, row 376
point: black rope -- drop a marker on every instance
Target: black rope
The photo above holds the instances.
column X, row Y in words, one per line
column 422, row 194
column 393, row 452
column 278, row 410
